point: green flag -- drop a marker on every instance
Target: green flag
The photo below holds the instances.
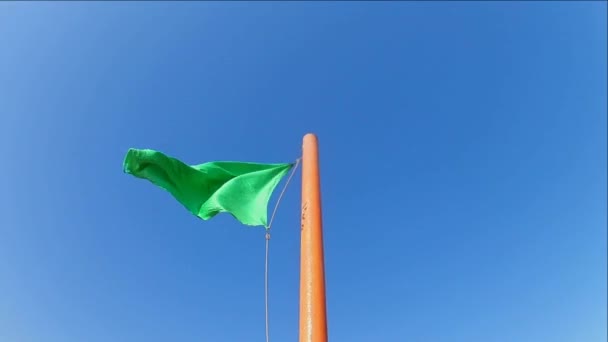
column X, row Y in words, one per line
column 242, row 189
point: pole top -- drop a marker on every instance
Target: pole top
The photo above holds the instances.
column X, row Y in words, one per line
column 310, row 139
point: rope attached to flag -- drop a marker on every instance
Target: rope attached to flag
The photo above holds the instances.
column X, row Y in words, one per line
column 267, row 238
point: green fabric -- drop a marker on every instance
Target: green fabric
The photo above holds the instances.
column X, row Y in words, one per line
column 240, row 188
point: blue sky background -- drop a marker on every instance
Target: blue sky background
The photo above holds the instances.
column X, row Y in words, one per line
column 463, row 151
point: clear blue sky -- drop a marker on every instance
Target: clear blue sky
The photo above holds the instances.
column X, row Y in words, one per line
column 463, row 151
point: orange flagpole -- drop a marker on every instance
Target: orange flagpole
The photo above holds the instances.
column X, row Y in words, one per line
column 313, row 316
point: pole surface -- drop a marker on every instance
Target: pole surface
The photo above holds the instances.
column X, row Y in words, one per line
column 313, row 319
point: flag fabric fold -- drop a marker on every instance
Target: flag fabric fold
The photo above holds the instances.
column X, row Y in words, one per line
column 242, row 189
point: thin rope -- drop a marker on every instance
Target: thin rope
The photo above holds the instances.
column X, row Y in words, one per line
column 276, row 206
column 266, row 286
